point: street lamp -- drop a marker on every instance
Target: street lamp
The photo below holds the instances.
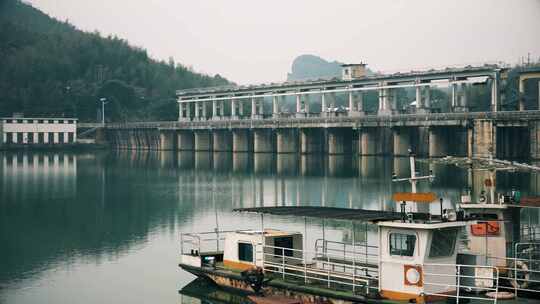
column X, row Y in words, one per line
column 103, row 102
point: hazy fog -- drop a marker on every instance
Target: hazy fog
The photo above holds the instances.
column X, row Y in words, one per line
column 256, row 41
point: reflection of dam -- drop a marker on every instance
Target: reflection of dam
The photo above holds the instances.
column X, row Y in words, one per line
column 48, row 175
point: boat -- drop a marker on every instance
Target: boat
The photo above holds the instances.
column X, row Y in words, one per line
column 414, row 257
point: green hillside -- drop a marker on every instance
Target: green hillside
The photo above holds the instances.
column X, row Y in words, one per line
column 49, row 67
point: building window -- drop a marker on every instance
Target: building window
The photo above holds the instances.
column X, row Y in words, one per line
column 283, row 242
column 71, row 137
column 41, row 138
column 443, row 243
column 40, row 121
column 51, row 121
column 9, row 138
column 402, row 244
column 61, row 137
column 19, row 121
column 51, row 138
column 71, row 121
column 245, row 252
column 30, row 138
column 9, row 121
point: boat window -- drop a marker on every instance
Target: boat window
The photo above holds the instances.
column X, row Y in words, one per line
column 443, row 242
column 245, row 252
column 283, row 242
column 402, row 244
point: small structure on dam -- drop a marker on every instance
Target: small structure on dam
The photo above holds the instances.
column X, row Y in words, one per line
column 484, row 111
column 20, row 130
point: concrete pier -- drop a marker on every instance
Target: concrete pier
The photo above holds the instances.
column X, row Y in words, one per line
column 241, row 140
column 482, row 139
column 203, row 140
column 438, row 142
column 186, row 140
column 339, row 140
column 167, row 140
column 375, row 141
column 222, row 140
column 263, row 141
column 287, row 140
column 311, row 141
column 402, row 141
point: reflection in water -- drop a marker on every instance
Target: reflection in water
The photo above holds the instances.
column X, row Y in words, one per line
column 52, row 175
column 69, row 221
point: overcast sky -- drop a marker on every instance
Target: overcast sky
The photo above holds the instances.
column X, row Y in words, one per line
column 251, row 41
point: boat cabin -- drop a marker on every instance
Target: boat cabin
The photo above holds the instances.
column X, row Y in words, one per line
column 412, row 258
column 240, row 248
column 495, row 231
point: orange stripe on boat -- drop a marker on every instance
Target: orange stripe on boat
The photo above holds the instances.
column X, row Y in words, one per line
column 237, row 265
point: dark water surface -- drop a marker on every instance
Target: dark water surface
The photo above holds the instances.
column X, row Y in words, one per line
column 104, row 227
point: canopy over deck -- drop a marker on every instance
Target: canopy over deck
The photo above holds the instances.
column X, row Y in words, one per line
column 327, row 213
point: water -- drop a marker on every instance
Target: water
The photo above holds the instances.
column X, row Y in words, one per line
column 104, row 227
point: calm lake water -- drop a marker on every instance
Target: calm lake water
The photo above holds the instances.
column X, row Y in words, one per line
column 104, row 227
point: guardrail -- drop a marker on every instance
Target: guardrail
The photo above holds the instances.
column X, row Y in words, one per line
column 352, row 121
column 298, row 265
column 484, row 280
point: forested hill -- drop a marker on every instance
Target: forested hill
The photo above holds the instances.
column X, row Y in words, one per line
column 49, row 67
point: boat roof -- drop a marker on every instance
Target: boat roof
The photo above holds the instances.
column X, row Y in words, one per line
column 327, row 213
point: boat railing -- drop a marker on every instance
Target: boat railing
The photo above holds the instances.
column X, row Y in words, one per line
column 358, row 251
column 208, row 241
column 523, row 270
column 461, row 282
column 299, row 266
column 530, row 232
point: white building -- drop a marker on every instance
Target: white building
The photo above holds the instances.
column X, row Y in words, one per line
column 29, row 131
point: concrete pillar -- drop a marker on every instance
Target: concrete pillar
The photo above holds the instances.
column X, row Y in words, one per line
column 263, row 141
column 241, row 140
column 185, row 140
column 356, row 106
column 222, row 140
column 402, row 141
column 368, row 141
column 454, row 97
column 311, row 141
column 384, row 107
column 483, row 138
column 463, row 98
column 438, row 142
column 215, row 114
column 197, row 110
column 427, row 98
column 495, row 93
column 534, row 131
column 188, row 111
column 203, row 140
column 167, row 140
column 222, row 109
column 324, row 106
column 299, row 112
column 233, row 109
column 287, row 140
column 204, row 110
column 419, row 98
column 339, row 140
column 182, row 109
column 241, row 107
column 360, row 102
column 275, row 106
column 253, row 108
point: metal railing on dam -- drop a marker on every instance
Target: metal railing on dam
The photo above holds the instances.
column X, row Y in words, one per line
column 431, row 119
